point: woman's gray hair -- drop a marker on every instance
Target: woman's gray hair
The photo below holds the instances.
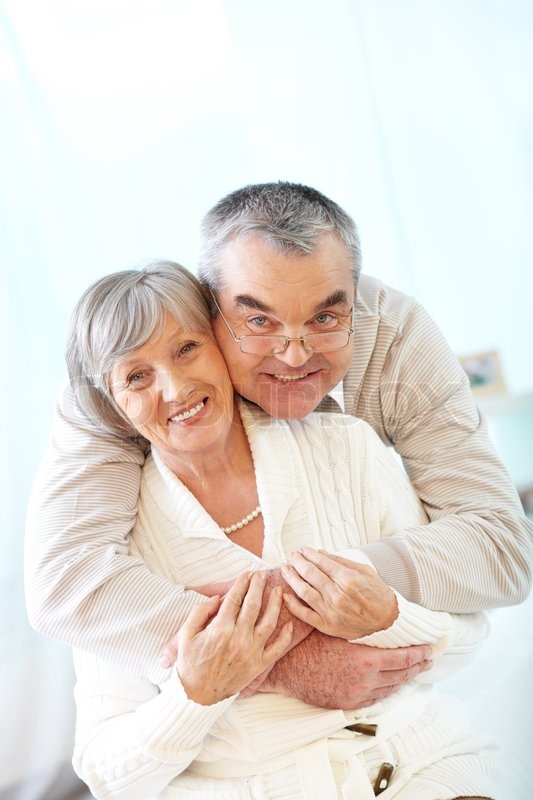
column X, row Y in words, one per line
column 115, row 316
column 289, row 216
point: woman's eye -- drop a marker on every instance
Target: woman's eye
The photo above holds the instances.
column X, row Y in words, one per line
column 136, row 378
column 187, row 348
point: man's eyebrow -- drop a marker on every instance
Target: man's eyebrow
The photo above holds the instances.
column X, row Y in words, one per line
column 336, row 298
column 249, row 301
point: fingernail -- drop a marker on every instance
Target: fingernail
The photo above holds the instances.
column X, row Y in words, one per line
column 165, row 662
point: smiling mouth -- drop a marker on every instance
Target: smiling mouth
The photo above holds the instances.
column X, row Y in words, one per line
column 289, row 378
column 191, row 412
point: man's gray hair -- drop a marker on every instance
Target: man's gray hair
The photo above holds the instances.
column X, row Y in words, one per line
column 116, row 315
column 289, row 216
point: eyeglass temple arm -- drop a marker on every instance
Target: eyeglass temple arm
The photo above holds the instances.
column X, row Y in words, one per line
column 224, row 320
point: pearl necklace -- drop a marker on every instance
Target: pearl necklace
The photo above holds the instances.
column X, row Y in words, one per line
column 242, row 522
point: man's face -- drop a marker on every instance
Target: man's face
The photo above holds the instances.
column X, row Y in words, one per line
column 292, row 294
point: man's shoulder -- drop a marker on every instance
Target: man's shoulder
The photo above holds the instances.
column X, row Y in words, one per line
column 376, row 299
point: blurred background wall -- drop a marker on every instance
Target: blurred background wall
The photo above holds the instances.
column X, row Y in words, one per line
column 122, row 122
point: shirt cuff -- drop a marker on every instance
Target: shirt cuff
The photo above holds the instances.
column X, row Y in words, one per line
column 414, row 625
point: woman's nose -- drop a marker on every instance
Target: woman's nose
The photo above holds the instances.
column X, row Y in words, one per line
column 170, row 385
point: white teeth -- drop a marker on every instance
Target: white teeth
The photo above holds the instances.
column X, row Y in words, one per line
column 192, row 412
column 289, row 377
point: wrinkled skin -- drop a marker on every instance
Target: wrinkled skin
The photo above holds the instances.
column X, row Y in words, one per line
column 225, row 643
column 322, row 670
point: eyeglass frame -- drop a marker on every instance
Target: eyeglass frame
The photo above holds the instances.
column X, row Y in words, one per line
column 286, row 339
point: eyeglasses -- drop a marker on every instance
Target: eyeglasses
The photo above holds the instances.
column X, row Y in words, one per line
column 266, row 345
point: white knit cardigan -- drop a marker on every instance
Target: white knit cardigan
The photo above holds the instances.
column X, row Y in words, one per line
column 324, row 481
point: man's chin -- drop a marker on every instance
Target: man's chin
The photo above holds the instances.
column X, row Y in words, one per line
column 286, row 405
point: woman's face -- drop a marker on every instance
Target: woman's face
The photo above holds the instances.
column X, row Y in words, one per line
column 175, row 391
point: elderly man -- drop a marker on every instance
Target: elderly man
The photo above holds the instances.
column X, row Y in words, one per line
column 299, row 330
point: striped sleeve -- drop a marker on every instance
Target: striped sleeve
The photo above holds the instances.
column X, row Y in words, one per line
column 476, row 553
column 82, row 586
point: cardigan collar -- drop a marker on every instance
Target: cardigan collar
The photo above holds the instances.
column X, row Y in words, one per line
column 274, row 474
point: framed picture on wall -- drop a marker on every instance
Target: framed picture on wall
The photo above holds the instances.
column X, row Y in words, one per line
column 485, row 373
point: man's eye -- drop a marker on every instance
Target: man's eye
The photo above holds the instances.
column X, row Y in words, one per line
column 325, row 318
column 258, row 322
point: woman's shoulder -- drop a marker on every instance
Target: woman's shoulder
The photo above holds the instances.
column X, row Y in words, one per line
column 318, row 425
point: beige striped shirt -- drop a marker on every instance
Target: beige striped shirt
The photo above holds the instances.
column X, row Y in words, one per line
column 84, row 588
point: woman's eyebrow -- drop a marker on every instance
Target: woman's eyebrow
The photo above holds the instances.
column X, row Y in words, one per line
column 126, row 363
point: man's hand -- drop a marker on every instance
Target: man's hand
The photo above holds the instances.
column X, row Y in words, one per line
column 327, row 671
column 332, row 673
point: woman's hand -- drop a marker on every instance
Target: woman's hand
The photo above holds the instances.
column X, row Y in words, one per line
column 337, row 596
column 222, row 646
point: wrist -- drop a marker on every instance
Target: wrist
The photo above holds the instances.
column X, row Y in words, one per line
column 300, row 629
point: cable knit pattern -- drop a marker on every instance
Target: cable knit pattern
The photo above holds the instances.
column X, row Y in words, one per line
column 337, row 479
column 137, row 739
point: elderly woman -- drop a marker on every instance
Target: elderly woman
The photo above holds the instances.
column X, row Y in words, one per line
column 226, row 494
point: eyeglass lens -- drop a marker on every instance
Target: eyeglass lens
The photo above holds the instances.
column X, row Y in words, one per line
column 314, row 342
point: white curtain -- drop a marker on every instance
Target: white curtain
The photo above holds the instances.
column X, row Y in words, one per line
column 122, row 121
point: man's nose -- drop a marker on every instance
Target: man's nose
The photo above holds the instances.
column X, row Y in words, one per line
column 295, row 355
